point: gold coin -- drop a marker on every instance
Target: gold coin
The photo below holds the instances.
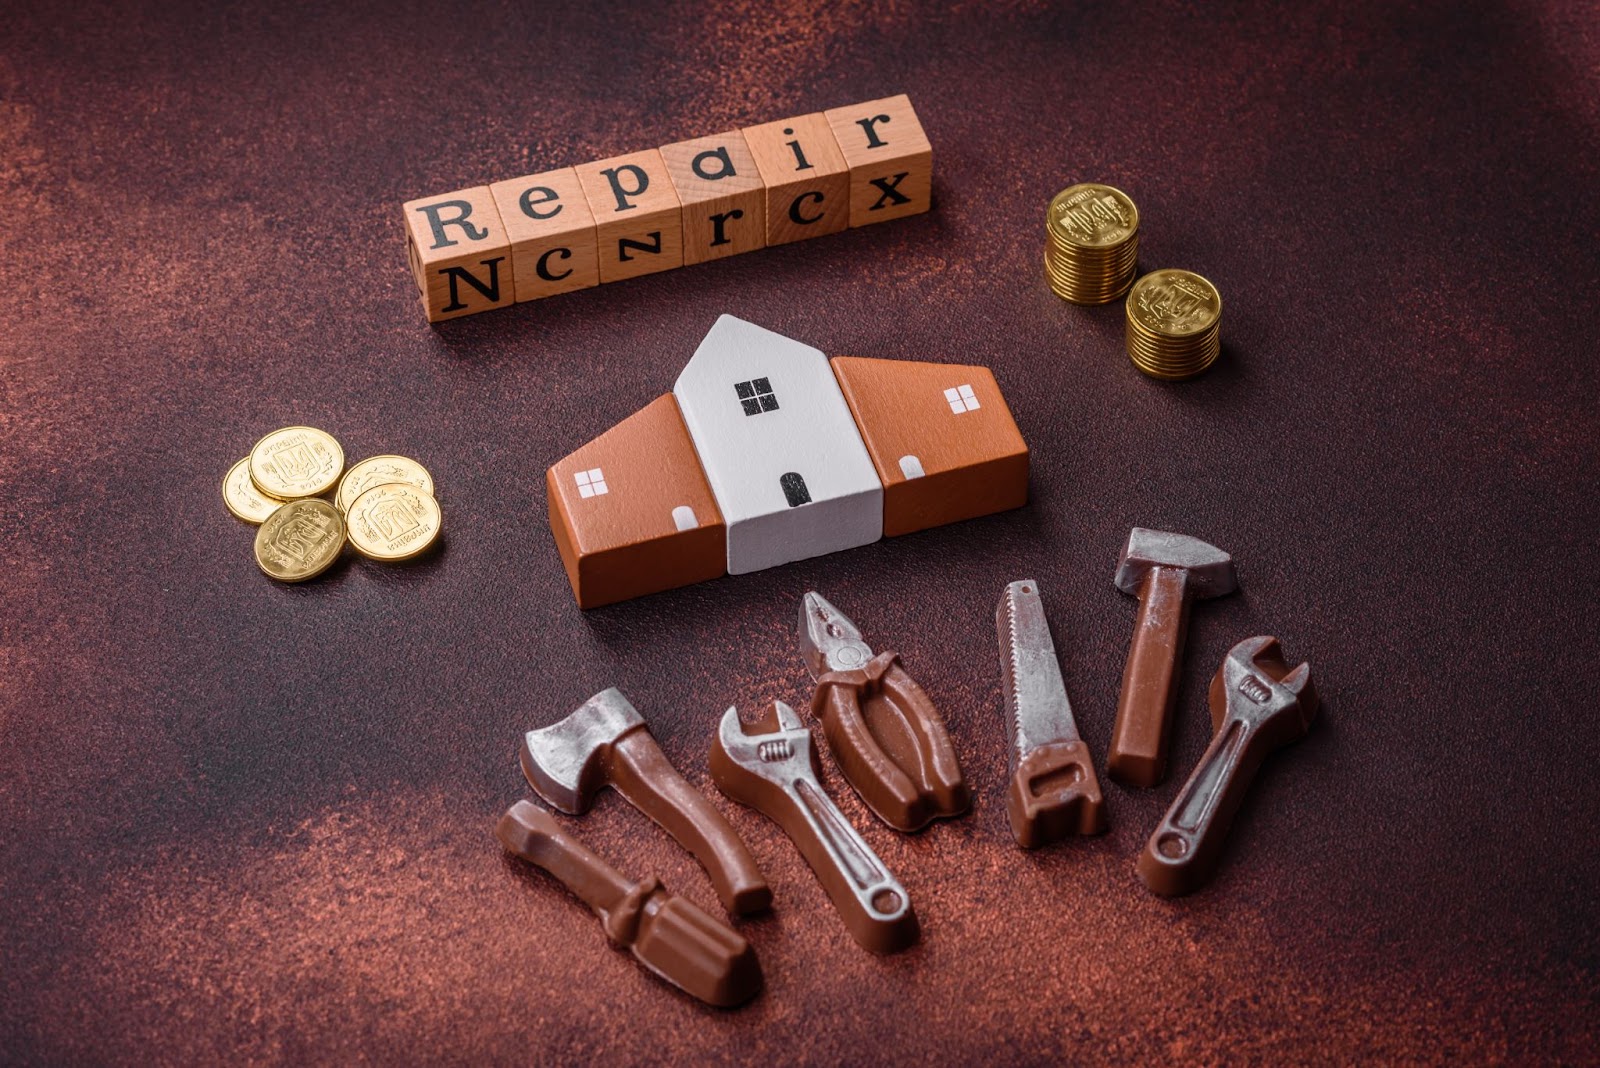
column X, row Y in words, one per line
column 300, row 540
column 393, row 522
column 1174, row 304
column 1092, row 216
column 242, row 497
column 381, row 471
column 297, row 461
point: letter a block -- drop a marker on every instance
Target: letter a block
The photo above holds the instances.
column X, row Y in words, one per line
column 632, row 513
column 808, row 182
column 724, row 200
column 459, row 253
column 941, row 438
column 552, row 233
column 890, row 159
column 639, row 223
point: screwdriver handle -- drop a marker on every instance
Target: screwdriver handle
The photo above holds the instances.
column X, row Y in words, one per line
column 529, row 832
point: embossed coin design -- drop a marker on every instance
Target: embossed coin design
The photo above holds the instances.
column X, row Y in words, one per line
column 380, row 471
column 1091, row 215
column 393, row 522
column 300, row 540
column 297, row 461
column 242, row 497
column 1092, row 243
column 1174, row 327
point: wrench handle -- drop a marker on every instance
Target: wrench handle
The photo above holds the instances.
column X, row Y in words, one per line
column 1182, row 852
column 1138, row 754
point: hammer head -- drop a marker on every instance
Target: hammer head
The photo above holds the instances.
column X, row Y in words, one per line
column 565, row 762
column 1210, row 570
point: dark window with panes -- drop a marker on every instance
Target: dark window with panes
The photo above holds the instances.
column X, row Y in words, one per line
column 756, row 396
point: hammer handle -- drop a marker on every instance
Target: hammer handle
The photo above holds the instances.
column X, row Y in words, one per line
column 1138, row 754
column 644, row 775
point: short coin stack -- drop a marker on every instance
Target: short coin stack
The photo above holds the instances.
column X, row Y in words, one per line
column 1174, row 324
column 1092, row 243
column 384, row 505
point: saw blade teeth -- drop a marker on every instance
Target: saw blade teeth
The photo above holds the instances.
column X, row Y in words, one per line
column 1014, row 728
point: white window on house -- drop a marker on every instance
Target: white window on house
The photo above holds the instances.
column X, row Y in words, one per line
column 591, row 483
column 962, row 399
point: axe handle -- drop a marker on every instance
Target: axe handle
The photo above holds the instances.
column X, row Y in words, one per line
column 1138, row 754
column 642, row 774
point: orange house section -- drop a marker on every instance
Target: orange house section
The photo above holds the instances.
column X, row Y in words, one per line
column 941, row 437
column 632, row 512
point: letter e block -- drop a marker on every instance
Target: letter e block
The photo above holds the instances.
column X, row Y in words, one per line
column 723, row 197
column 639, row 222
column 459, row 253
column 808, row 182
column 890, row 159
column 552, row 233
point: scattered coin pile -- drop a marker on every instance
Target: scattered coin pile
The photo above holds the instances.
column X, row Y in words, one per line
column 1174, row 321
column 383, row 506
column 1092, row 243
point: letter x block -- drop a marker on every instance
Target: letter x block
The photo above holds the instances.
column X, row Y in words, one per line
column 941, row 438
column 891, row 161
column 459, row 254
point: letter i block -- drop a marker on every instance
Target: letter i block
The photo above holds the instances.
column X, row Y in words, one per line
column 637, row 215
column 632, row 512
column 723, row 197
column 941, row 437
column 808, row 182
column 459, row 253
column 891, row 161
column 552, row 233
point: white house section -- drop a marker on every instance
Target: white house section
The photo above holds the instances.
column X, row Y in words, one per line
column 779, row 447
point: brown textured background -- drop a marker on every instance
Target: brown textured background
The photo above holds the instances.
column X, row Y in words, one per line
column 247, row 821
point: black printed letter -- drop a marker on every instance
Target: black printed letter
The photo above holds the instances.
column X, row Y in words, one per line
column 891, row 195
column 641, row 180
column 725, row 171
column 463, row 209
column 492, row 290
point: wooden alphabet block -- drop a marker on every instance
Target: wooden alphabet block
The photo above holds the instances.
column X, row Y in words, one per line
column 808, row 182
column 632, row 513
column 779, row 447
column 639, row 222
column 723, row 197
column 459, row 254
column 552, row 233
column 890, row 159
column 941, row 439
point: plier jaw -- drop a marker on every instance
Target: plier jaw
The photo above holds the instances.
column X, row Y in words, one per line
column 829, row 641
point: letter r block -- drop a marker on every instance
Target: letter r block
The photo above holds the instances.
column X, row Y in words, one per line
column 459, row 254
column 890, row 159
column 552, row 233
column 808, row 182
column 638, row 220
column 723, row 197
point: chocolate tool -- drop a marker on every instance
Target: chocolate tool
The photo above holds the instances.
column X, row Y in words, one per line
column 883, row 730
column 773, row 769
column 1257, row 705
column 606, row 743
column 668, row 934
column 1165, row 571
column 1053, row 790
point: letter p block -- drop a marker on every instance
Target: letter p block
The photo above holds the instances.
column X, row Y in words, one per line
column 459, row 254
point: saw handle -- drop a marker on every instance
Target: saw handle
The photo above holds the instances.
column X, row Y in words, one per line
column 1054, row 793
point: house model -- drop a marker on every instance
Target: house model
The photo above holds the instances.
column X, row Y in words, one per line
column 766, row 452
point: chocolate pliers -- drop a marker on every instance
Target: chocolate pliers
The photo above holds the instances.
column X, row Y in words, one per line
column 883, row 730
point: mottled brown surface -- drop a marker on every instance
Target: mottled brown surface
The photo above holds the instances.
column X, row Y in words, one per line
column 248, row 822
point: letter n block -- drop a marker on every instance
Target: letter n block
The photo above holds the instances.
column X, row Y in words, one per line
column 890, row 159
column 552, row 233
column 459, row 253
column 632, row 512
column 808, row 182
column 723, row 197
column 941, row 438
column 639, row 223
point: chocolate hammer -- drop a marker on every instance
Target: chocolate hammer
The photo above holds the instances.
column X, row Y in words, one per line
column 773, row 769
column 606, row 743
column 666, row 933
column 1165, row 571
column 1257, row 705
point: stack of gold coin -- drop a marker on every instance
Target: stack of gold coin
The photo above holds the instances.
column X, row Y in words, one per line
column 1092, row 243
column 1174, row 324
column 384, row 505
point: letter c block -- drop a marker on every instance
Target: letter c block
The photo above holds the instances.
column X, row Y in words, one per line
column 808, row 182
column 552, row 233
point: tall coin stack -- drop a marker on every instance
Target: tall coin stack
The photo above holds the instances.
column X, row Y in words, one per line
column 1174, row 324
column 1092, row 243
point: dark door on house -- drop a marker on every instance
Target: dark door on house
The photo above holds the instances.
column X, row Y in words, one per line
column 794, row 488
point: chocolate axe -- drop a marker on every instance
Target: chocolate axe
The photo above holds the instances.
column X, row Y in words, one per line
column 606, row 743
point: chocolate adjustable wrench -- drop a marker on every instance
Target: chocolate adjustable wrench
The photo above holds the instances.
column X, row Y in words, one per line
column 884, row 731
column 1053, row 790
column 1257, row 705
column 773, row 769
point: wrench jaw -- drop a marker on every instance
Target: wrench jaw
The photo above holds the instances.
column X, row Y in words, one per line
column 1255, row 684
column 750, row 767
